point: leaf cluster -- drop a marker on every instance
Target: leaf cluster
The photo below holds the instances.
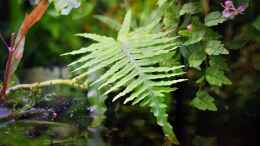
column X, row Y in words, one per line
column 132, row 67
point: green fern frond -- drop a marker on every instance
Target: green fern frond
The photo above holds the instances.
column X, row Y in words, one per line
column 130, row 66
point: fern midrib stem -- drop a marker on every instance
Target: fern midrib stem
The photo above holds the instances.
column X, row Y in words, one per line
column 146, row 81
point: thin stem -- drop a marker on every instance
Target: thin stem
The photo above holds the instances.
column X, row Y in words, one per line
column 41, row 122
column 7, row 74
column 13, row 36
column 72, row 83
column 205, row 6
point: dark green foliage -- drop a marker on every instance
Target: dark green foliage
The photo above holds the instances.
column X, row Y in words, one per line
column 138, row 63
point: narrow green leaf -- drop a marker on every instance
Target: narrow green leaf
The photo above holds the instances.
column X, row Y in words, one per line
column 96, row 37
column 105, row 63
column 164, row 76
column 140, row 98
column 161, row 69
column 125, row 28
column 136, row 94
column 116, row 67
column 123, row 72
column 131, row 86
column 122, row 82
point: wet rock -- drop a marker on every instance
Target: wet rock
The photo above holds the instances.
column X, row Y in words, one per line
column 4, row 112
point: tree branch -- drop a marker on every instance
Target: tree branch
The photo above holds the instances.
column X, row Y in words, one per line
column 72, row 83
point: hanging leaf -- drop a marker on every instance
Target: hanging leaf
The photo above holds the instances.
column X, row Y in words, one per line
column 203, row 101
column 216, row 77
column 196, row 57
column 218, row 62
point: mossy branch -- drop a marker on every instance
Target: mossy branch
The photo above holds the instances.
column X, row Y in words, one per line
column 73, row 83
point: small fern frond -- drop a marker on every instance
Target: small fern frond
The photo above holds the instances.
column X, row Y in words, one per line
column 131, row 66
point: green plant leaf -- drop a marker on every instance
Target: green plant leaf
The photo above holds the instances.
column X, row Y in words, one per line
column 195, row 37
column 216, row 77
column 218, row 62
column 131, row 66
column 196, row 57
column 203, row 101
column 214, row 18
column 125, row 26
column 215, row 47
column 190, row 8
column 171, row 18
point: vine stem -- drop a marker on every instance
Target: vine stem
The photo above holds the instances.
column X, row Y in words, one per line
column 72, row 83
column 205, row 6
column 7, row 73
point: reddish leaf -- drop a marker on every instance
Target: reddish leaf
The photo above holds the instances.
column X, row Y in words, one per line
column 16, row 49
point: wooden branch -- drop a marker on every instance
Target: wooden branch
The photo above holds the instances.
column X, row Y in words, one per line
column 56, row 82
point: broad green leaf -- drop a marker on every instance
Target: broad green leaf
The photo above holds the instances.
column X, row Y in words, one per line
column 190, row 8
column 215, row 47
column 218, row 62
column 196, row 57
column 214, row 18
column 216, row 77
column 195, row 37
column 203, row 101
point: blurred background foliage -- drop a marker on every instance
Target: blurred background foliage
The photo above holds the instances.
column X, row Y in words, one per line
column 232, row 125
column 54, row 34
